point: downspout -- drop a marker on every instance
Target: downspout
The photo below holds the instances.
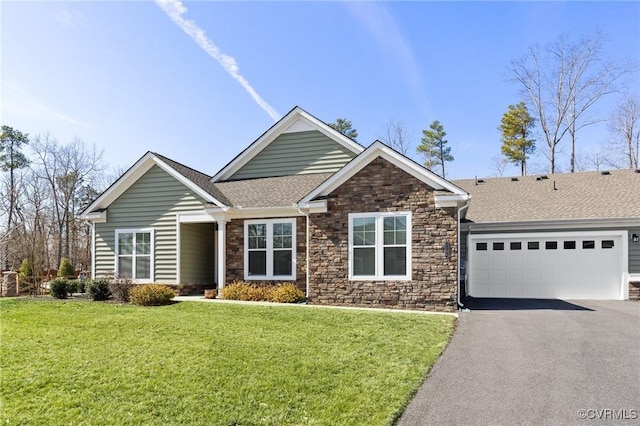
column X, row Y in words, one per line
column 306, row 288
column 460, row 210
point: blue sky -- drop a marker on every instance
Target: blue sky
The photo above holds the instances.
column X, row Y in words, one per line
column 126, row 77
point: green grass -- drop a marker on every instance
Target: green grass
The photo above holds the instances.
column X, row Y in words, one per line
column 91, row 363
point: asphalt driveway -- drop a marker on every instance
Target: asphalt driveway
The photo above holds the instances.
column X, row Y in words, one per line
column 536, row 362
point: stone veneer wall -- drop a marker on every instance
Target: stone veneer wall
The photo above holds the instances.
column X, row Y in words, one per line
column 235, row 252
column 381, row 186
column 634, row 290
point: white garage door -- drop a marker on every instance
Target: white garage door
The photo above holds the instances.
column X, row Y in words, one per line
column 586, row 265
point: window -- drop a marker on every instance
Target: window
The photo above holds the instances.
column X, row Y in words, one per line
column 481, row 246
column 134, row 254
column 551, row 245
column 269, row 249
column 569, row 245
column 498, row 246
column 533, row 245
column 607, row 244
column 380, row 246
column 588, row 244
column 515, row 245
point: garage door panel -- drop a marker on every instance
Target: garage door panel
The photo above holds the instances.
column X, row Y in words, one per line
column 585, row 266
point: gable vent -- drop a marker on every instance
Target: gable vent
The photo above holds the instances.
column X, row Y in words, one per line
column 514, row 179
column 605, row 173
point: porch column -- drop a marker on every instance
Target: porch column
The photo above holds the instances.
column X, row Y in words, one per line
column 222, row 253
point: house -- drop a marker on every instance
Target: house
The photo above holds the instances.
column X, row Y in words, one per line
column 303, row 203
column 351, row 225
column 557, row 236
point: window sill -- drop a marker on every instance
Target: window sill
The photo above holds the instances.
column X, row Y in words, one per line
column 380, row 278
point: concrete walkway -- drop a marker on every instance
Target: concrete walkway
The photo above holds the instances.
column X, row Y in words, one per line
column 556, row 363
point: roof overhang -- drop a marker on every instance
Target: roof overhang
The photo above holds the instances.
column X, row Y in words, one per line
column 454, row 197
column 551, row 225
column 131, row 176
column 296, row 120
column 228, row 213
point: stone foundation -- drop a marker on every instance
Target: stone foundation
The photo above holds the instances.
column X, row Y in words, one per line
column 634, row 290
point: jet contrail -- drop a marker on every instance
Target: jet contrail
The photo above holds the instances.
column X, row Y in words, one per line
column 175, row 10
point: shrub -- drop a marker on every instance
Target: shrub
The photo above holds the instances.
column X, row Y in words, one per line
column 72, row 286
column 152, row 295
column 59, row 288
column 121, row 289
column 281, row 293
column 26, row 268
column 65, row 268
column 99, row 289
column 286, row 293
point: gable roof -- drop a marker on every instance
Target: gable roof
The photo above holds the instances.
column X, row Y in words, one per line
column 296, row 120
column 198, row 182
column 583, row 195
column 379, row 149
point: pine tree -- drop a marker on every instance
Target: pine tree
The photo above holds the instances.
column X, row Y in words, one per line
column 434, row 147
column 344, row 126
column 516, row 127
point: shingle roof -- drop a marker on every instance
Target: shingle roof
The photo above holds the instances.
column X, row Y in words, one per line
column 585, row 195
column 270, row 192
column 199, row 178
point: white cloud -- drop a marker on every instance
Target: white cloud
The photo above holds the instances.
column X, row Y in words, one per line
column 68, row 18
column 17, row 101
column 175, row 10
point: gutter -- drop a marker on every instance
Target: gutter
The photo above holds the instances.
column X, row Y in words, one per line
column 460, row 210
column 306, row 289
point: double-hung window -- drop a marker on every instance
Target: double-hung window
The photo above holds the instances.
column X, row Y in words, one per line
column 134, row 254
column 270, row 249
column 380, row 246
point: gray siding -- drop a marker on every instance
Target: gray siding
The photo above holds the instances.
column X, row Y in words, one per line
column 152, row 202
column 196, row 253
column 634, row 248
column 296, row 153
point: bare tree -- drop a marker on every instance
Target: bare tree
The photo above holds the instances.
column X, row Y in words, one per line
column 396, row 136
column 498, row 165
column 65, row 168
column 624, row 125
column 562, row 81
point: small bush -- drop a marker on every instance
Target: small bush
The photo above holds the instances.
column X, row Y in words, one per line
column 72, row 286
column 59, row 288
column 121, row 289
column 99, row 289
column 281, row 293
column 286, row 293
column 65, row 268
column 26, row 269
column 151, row 295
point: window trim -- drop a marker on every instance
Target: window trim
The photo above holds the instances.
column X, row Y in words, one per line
column 269, row 249
column 134, row 231
column 379, row 247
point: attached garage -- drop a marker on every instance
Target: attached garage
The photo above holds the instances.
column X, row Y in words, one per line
column 552, row 265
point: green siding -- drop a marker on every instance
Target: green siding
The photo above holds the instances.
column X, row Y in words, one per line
column 152, row 202
column 196, row 253
column 634, row 248
column 296, row 153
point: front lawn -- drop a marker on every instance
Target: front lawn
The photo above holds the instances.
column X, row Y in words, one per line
column 190, row 363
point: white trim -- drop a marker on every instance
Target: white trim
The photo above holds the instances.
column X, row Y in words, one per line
column 194, row 217
column 93, row 251
column 221, row 236
column 96, row 217
column 152, row 255
column 178, row 245
column 132, row 175
column 375, row 150
column 264, row 212
column 624, row 260
column 269, row 250
column 552, row 224
column 282, row 126
column 379, row 247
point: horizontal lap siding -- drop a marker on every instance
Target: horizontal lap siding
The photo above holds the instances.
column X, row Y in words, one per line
column 196, row 253
column 296, row 153
column 634, row 253
column 152, row 202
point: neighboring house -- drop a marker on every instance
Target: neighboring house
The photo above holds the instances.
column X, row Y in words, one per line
column 303, row 204
column 560, row 236
column 351, row 225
